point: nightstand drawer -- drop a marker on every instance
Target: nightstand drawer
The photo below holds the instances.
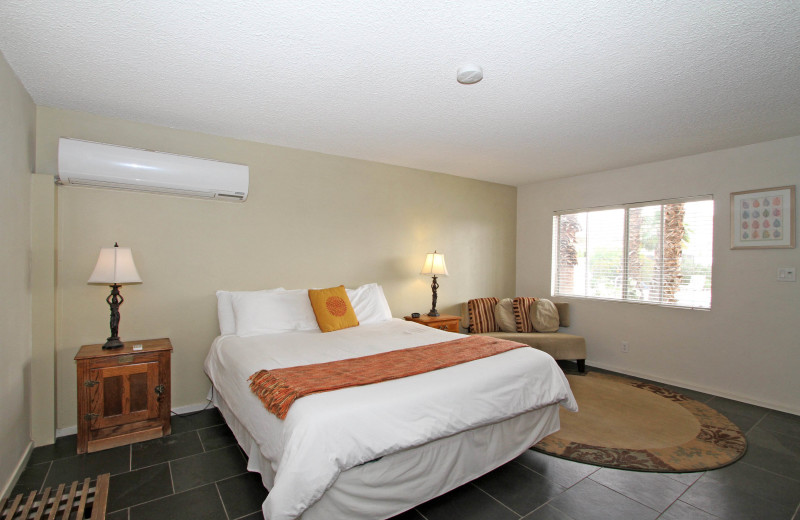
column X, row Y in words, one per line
column 446, row 322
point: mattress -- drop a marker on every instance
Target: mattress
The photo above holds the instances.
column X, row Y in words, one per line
column 326, row 435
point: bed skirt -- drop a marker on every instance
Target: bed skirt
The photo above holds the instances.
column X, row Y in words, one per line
column 402, row 480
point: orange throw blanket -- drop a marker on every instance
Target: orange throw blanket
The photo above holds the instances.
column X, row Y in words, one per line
column 281, row 387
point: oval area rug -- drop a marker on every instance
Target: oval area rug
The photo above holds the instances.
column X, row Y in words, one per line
column 627, row 424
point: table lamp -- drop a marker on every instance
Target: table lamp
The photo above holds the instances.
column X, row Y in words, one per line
column 434, row 264
column 114, row 267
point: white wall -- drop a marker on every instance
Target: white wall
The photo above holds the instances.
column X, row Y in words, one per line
column 311, row 220
column 747, row 346
column 17, row 127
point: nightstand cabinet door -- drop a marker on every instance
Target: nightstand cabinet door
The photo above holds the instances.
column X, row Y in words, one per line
column 123, row 394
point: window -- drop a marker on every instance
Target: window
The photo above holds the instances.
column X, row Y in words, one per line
column 654, row 252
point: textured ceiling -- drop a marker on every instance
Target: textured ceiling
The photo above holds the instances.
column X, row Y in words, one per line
column 570, row 87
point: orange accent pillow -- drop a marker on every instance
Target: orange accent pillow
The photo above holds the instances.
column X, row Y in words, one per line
column 332, row 308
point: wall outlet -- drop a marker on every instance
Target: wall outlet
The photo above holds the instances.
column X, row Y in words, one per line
column 625, row 347
column 787, row 274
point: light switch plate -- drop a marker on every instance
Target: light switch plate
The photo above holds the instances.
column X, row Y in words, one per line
column 787, row 274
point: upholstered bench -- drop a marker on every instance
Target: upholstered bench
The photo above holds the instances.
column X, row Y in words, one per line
column 560, row 345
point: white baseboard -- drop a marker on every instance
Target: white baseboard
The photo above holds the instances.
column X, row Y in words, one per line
column 189, row 408
column 692, row 386
column 20, row 467
column 73, row 430
column 69, row 430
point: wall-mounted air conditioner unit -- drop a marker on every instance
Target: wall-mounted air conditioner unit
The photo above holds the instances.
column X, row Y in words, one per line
column 84, row 163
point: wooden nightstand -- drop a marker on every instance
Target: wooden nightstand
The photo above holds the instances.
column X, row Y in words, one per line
column 123, row 394
column 446, row 322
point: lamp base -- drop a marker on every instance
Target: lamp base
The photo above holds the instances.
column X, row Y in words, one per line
column 112, row 343
column 435, row 285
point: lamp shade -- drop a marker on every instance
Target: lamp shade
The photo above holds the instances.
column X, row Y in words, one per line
column 115, row 266
column 434, row 264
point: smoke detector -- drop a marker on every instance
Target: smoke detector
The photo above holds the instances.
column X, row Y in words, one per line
column 469, row 74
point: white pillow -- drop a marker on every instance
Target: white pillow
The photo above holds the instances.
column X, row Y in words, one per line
column 504, row 315
column 227, row 320
column 370, row 303
column 265, row 312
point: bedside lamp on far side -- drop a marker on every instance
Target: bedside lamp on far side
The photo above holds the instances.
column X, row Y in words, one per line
column 434, row 264
column 114, row 267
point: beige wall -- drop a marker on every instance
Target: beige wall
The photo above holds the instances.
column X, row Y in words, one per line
column 17, row 127
column 43, row 305
column 746, row 347
column 311, row 220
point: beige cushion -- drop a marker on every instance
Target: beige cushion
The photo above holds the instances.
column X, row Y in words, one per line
column 504, row 315
column 544, row 316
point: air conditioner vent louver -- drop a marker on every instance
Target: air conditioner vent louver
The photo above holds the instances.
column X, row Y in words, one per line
column 84, row 163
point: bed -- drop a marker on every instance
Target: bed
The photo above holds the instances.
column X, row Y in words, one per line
column 374, row 451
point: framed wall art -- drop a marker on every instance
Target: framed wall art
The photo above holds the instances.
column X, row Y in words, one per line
column 763, row 219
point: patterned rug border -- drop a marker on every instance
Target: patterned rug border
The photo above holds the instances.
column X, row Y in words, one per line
column 718, row 444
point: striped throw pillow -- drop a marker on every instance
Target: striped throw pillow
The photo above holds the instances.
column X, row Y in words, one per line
column 522, row 314
column 481, row 315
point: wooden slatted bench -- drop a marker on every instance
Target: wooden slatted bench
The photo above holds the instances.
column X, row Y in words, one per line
column 87, row 501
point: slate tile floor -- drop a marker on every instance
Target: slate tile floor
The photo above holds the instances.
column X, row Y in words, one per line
column 199, row 472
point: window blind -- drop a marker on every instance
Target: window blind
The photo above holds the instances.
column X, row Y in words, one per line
column 658, row 252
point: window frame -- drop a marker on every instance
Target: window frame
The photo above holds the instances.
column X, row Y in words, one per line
column 555, row 265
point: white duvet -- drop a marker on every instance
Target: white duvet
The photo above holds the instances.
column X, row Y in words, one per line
column 327, row 433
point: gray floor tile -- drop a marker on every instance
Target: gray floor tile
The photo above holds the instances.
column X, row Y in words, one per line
column 66, row 446
column 118, row 515
column 547, row 512
column 774, row 452
column 135, row 487
column 518, row 487
column 563, row 472
column 216, row 437
column 114, row 461
column 732, row 503
column 242, row 494
column 412, row 514
column 683, row 511
column 759, row 482
column 654, row 490
column 196, row 420
column 588, row 500
column 201, row 503
column 203, row 468
column 465, row 503
column 32, row 478
column 685, row 478
column 743, row 415
column 260, row 516
column 164, row 449
column 780, row 422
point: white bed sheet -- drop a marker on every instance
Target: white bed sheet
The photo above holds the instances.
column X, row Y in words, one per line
column 328, row 433
column 395, row 483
